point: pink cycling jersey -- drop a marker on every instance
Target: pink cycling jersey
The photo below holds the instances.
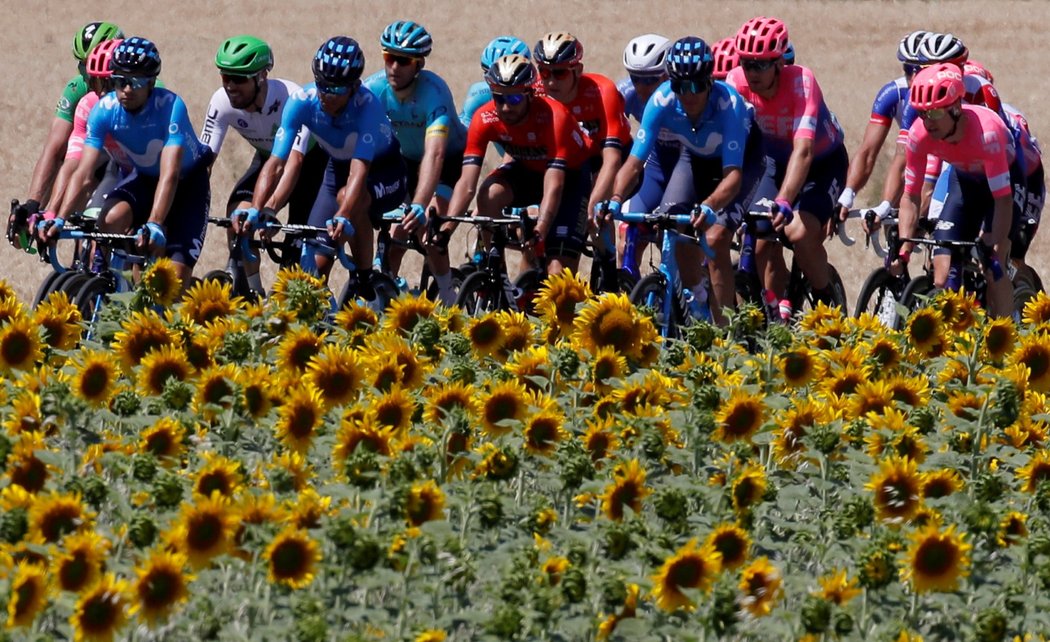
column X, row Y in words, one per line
column 75, row 145
column 796, row 111
column 986, row 149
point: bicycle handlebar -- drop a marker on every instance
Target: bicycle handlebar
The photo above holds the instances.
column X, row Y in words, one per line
column 667, row 221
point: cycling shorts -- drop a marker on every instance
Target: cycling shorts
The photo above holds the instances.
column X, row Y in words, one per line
column 969, row 208
column 823, row 184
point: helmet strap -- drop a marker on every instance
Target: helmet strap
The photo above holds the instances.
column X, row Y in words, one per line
column 956, row 115
column 258, row 88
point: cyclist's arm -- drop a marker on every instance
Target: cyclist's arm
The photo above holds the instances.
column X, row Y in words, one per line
column 79, row 183
column 355, row 186
column 553, row 185
column 605, row 181
column 286, row 181
column 466, row 188
column 797, row 169
column 908, row 218
column 266, row 184
column 727, row 190
column 863, row 163
column 894, row 185
column 430, row 168
column 50, row 158
column 62, row 182
column 1001, row 221
column 627, row 177
column 167, row 183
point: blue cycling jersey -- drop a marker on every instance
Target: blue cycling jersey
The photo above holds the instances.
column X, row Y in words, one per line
column 361, row 130
column 143, row 135
column 477, row 95
column 890, row 102
column 430, row 110
column 632, row 103
column 721, row 131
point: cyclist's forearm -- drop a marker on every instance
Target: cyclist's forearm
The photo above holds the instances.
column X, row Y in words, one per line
column 286, row 179
column 267, row 182
column 62, row 183
column 863, row 163
column 727, row 189
column 797, row 169
column 553, row 186
column 355, row 186
column 1002, row 219
column 465, row 190
column 908, row 215
column 50, row 159
column 79, row 184
column 170, row 160
column 626, row 177
column 894, row 185
column 604, row 182
column 430, row 169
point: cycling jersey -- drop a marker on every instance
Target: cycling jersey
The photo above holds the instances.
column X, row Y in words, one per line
column 74, row 90
column 361, row 130
column 890, row 103
column 978, row 92
column 477, row 95
column 429, row 111
column 797, row 111
column 142, row 136
column 75, row 144
column 257, row 127
column 598, row 107
column 548, row 136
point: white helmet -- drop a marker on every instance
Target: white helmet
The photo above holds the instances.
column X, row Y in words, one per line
column 645, row 55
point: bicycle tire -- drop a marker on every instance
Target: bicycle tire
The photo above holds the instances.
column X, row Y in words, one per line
column 649, row 293
column 433, row 290
column 528, row 284
column 1026, row 275
column 72, row 285
column 46, row 288
column 920, row 286
column 802, row 296
column 1023, row 293
column 91, row 296
column 879, row 295
column 376, row 293
column 220, row 276
column 479, row 295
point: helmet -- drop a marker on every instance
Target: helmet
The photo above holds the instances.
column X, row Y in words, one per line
column 138, row 56
column 406, row 37
column 937, row 86
column 91, row 34
column 690, row 59
column 724, row 53
column 244, row 56
column 503, row 46
column 762, row 38
column 644, row 55
column 100, row 57
column 511, row 72
column 908, row 49
column 789, row 54
column 339, row 61
column 943, row 47
column 974, row 68
column 558, row 48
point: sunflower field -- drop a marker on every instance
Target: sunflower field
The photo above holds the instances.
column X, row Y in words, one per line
column 208, row 469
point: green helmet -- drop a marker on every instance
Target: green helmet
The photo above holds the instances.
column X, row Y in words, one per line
column 91, row 35
column 243, row 56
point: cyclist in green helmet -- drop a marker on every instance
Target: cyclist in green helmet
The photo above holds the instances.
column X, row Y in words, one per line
column 252, row 103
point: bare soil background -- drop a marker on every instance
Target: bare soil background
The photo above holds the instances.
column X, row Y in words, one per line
column 849, row 45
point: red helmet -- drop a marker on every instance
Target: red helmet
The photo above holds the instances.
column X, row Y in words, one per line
column 936, row 87
column 762, row 38
column 98, row 59
column 725, row 58
column 974, row 68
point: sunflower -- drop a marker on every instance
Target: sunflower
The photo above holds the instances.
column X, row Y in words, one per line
column 627, row 490
column 425, row 503
column 600, row 440
column 1035, row 471
column 531, row 364
column 884, row 352
column 292, row 558
column 297, row 348
column 23, row 467
column 691, row 567
column 431, row 635
column 20, row 345
column 204, row 529
column 356, row 317
column 140, row 334
column 366, row 434
column 925, row 330
column 160, row 365
column 302, row 295
column 54, row 515
column 441, row 401
column 394, row 409
column 838, row 588
column 406, row 311
column 161, row 282
column 164, row 439
column 160, row 586
column 798, row 367
column 543, row 431
column 965, row 404
column 999, row 338
column 101, row 611
column 28, row 595
column 517, row 333
column 60, row 321
column 218, row 475
column 95, row 378
column 1034, row 353
column 844, row 380
column 749, row 487
column 260, row 508
column 299, row 418
column 898, row 488
column 1037, row 309
column 654, row 390
column 739, row 417
column 11, row 308
column 913, row 391
column 216, row 390
column 1012, row 529
column 793, row 424
column 611, row 320
column 1025, row 433
column 941, row 483
column 871, row 396
column 26, row 415
column 505, row 401
column 559, row 296
column 760, row 584
column 209, row 300
column 294, row 467
column 486, row 334
column 606, row 366
column 936, row 560
column 909, row 443
column 414, row 366
column 80, row 563
column 257, row 390
column 336, row 373
column 306, row 510
column 732, row 543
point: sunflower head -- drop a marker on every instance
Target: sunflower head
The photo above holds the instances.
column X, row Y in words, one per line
column 760, row 585
column 627, row 490
column 29, row 594
column 559, row 296
column 897, row 486
column 60, row 321
column 336, row 373
column 297, row 348
column 292, row 558
column 543, row 431
column 1034, row 353
column 101, row 611
column 406, row 311
column 936, row 560
column 299, row 294
column 55, row 515
column 161, row 585
column 161, row 282
column 926, row 330
column 96, row 377
column 486, row 334
column 141, row 333
column 691, row 567
column 204, row 529
column 425, row 503
column 81, row 561
column 739, row 417
column 732, row 543
column 505, row 401
column 208, row 301
column 612, row 321
column 20, row 345
column 300, row 417
column 160, row 365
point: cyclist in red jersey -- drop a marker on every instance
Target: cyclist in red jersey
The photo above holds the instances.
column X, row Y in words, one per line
column 592, row 99
column 548, row 161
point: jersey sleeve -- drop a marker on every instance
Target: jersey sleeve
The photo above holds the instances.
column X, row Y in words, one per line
column 477, row 95
column 996, row 143
column 884, row 107
column 561, row 143
column 734, row 120
column 71, row 95
column 75, row 144
column 216, row 123
column 652, row 121
column 617, row 129
column 807, row 99
column 441, row 111
column 293, row 121
column 370, row 128
column 178, row 124
column 478, row 136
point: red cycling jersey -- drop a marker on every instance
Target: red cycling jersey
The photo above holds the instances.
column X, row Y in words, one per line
column 547, row 137
column 598, row 107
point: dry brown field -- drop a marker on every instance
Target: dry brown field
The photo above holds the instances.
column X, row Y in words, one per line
column 849, row 45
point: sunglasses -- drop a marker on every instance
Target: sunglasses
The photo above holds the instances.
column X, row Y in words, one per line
column 332, row 90
column 690, row 86
column 235, row 79
column 933, row 114
column 557, row 74
column 911, row 70
column 404, row 61
column 135, row 82
column 646, row 80
column 513, row 100
column 757, row 65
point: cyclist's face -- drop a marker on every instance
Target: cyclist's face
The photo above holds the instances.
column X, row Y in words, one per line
column 401, row 70
column 131, row 98
column 511, row 107
column 694, row 102
column 644, row 87
column 332, row 104
column 241, row 90
column 939, row 123
column 761, row 75
column 560, row 82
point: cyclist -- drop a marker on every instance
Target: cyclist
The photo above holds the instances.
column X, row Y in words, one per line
column 547, row 161
column 420, row 106
column 478, row 94
column 806, row 143
column 168, row 195
column 47, row 164
column 724, row 52
column 889, row 106
column 252, row 103
column 721, row 167
column 365, row 176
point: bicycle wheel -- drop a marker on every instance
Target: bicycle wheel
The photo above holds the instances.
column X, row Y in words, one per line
column 879, row 295
column 93, row 294
column 433, row 290
column 377, row 292
column 72, row 285
column 47, row 287
column 479, row 295
column 1023, row 293
column 802, row 296
column 220, row 276
column 916, row 292
column 528, row 286
column 650, row 294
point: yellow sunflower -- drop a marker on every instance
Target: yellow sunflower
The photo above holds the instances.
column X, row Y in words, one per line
column 160, row 365
column 1035, row 471
column 306, row 510
column 606, row 366
column 413, row 366
column 60, row 321
column 627, row 490
column 611, row 320
column 531, row 364
column 164, row 440
column 941, row 483
column 485, row 334
column 838, row 588
column 898, row 489
column 798, row 367
column 926, row 330
column 24, row 468
column 260, row 508
column 1000, row 335
column 394, row 409
column 600, row 439
column 441, row 400
column 161, row 282
column 204, row 529
column 28, row 595
column 81, row 560
column 406, row 311
column 691, row 567
column 871, row 396
column 336, row 373
column 1012, row 529
column 356, row 317
column 11, row 308
column 101, row 611
column 559, row 296
column 505, row 401
column 884, row 352
column 297, row 348
column 161, row 585
column 1037, row 310
column 425, row 503
column 299, row 294
column 431, row 635
column 760, row 584
column 140, row 334
column 1034, row 353
column 292, row 558
column 732, row 543
column 749, row 487
column 56, row 514
column 844, row 380
column 218, row 475
column 300, row 417
column 257, row 390
column 95, row 378
column 739, row 417
column 207, row 301
column 517, row 333
column 20, row 345
column 936, row 560
column 368, row 434
column 216, row 390
column 793, row 424
column 543, row 431
column 296, row 466
column 914, row 391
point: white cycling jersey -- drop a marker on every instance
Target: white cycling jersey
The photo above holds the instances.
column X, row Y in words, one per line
column 258, row 128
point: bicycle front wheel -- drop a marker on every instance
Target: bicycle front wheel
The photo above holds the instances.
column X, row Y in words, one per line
column 376, row 293
column 480, row 294
column 802, row 295
column 917, row 292
column 528, row 285
column 93, row 294
column 47, row 287
column 879, row 295
column 650, row 294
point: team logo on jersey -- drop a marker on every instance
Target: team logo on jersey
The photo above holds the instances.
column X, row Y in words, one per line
column 710, row 145
column 273, row 108
column 663, row 99
column 63, row 103
column 242, row 123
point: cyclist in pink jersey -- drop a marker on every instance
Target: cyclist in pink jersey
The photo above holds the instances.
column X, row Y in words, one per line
column 979, row 147
column 805, row 142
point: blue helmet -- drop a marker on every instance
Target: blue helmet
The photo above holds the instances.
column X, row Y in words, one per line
column 789, row 54
column 503, row 46
column 339, row 61
column 406, row 37
column 137, row 56
column 689, row 59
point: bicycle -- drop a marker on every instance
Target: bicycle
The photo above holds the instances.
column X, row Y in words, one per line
column 969, row 260
column 604, row 275
column 882, row 290
column 385, row 239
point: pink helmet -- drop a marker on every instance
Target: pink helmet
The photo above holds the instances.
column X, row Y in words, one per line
column 98, row 59
column 936, row 87
column 974, row 68
column 725, row 58
column 762, row 38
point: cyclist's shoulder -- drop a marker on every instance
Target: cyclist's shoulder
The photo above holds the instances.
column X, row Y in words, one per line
column 376, row 83
column 625, row 87
column 280, row 88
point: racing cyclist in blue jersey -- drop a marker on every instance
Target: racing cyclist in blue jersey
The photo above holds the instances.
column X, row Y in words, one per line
column 721, row 167
column 168, row 195
column 422, row 111
column 365, row 176
column 479, row 93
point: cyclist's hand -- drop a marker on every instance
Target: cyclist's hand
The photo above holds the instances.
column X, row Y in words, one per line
column 605, row 211
column 339, row 228
column 781, row 213
column 47, row 225
column 703, row 217
column 241, row 219
column 415, row 217
column 151, row 237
